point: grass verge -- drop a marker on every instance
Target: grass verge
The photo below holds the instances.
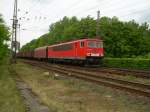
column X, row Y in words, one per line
column 10, row 99
column 64, row 94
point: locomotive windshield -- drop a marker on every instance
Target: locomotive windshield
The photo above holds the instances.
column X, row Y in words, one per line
column 99, row 44
column 93, row 44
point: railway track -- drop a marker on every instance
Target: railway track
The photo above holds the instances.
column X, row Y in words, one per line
column 120, row 71
column 128, row 86
column 115, row 71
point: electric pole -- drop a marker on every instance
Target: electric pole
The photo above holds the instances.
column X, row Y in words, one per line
column 97, row 25
column 14, row 33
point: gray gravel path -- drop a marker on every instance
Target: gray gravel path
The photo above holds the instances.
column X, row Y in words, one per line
column 32, row 102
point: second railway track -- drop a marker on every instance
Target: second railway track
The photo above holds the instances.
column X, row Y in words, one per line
column 132, row 87
column 116, row 71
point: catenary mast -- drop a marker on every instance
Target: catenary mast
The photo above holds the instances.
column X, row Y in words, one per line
column 14, row 33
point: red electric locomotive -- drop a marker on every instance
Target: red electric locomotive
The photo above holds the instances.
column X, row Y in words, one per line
column 83, row 51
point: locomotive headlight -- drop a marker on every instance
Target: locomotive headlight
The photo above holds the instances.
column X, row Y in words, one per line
column 88, row 54
column 95, row 54
column 101, row 54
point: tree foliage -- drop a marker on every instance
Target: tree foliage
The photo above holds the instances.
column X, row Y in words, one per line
column 121, row 39
column 4, row 37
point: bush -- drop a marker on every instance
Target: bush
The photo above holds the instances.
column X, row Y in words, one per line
column 135, row 63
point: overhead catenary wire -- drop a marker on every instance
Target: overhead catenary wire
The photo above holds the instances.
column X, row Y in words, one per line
column 57, row 15
column 113, row 10
column 48, row 18
column 33, row 6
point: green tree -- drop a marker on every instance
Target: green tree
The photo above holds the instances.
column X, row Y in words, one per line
column 4, row 37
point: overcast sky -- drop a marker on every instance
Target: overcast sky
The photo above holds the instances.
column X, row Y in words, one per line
column 37, row 15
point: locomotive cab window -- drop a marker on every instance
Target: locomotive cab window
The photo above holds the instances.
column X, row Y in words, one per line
column 99, row 45
column 81, row 44
column 92, row 44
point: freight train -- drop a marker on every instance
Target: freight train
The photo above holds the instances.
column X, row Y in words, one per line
column 82, row 51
